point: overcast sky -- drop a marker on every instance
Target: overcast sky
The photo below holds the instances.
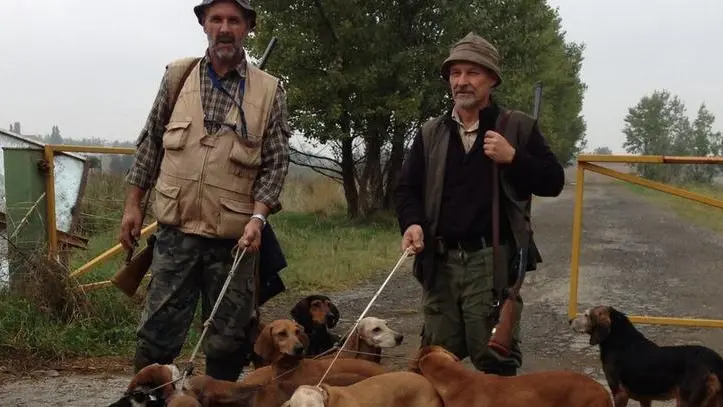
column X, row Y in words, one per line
column 93, row 67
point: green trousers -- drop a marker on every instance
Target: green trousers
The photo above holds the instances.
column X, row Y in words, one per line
column 457, row 312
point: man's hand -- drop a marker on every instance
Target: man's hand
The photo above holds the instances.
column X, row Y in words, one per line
column 251, row 238
column 413, row 239
column 130, row 226
column 497, row 148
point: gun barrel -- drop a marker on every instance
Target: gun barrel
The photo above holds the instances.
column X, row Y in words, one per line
column 267, row 52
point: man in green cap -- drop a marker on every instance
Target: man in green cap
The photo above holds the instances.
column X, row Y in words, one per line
column 219, row 130
column 444, row 205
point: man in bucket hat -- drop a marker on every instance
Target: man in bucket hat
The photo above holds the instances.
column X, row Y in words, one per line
column 444, row 205
column 218, row 129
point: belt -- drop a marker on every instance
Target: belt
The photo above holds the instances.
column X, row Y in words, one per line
column 472, row 244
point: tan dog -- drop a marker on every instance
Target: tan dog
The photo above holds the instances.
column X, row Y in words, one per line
column 368, row 339
column 462, row 387
column 386, row 390
column 279, row 342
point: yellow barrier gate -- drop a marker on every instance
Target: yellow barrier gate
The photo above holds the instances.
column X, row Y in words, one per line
column 584, row 162
column 50, row 151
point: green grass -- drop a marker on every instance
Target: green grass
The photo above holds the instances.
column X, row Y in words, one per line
column 325, row 252
column 694, row 212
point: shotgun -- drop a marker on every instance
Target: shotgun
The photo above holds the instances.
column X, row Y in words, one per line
column 505, row 308
column 130, row 276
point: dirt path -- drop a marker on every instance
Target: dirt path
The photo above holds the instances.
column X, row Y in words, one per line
column 636, row 256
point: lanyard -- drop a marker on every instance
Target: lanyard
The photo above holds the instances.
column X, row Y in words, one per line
column 217, row 85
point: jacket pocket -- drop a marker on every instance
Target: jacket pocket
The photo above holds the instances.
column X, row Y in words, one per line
column 233, row 217
column 245, row 157
column 176, row 135
column 165, row 205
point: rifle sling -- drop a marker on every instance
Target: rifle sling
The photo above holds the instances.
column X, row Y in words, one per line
column 159, row 154
column 499, row 265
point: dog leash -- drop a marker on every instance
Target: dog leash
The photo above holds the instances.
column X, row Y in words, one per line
column 351, row 331
column 237, row 260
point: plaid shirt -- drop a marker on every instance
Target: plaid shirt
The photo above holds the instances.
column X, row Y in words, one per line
column 216, row 105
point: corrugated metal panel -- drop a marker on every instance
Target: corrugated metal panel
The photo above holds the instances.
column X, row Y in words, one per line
column 69, row 172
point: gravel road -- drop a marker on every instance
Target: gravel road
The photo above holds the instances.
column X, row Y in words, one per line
column 637, row 256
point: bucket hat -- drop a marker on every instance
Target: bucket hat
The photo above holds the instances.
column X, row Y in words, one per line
column 477, row 50
column 244, row 4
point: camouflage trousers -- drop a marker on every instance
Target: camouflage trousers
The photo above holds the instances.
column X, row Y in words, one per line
column 457, row 311
column 184, row 269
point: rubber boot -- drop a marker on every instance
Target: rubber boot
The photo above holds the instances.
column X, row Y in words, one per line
column 227, row 368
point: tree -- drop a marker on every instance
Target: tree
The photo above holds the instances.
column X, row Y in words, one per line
column 603, row 150
column 362, row 76
column 657, row 125
column 703, row 142
column 55, row 137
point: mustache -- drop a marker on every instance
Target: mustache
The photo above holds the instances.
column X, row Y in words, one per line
column 464, row 89
column 224, row 39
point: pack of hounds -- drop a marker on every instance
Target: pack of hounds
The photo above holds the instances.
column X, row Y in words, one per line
column 292, row 356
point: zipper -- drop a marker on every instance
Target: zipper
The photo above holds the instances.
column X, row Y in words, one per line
column 201, row 180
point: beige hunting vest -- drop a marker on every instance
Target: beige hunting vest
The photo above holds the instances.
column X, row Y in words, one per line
column 206, row 180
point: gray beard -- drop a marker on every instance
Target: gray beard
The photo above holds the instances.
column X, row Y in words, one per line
column 466, row 102
column 224, row 54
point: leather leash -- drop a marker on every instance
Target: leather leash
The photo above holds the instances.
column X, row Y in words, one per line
column 499, row 266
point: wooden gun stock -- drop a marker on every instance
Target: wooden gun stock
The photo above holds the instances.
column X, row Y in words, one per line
column 130, row 276
column 501, row 340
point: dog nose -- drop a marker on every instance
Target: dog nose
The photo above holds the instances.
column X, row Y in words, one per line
column 399, row 339
column 299, row 349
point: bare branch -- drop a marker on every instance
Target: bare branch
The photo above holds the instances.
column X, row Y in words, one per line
column 316, row 157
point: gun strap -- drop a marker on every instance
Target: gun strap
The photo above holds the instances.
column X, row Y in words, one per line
column 499, row 265
column 175, row 90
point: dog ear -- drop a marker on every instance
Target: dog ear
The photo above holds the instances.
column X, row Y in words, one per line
column 354, row 340
column 265, row 345
column 301, row 314
column 303, row 337
column 335, row 311
column 600, row 329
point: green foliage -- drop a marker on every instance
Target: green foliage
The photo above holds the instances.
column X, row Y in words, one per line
column 367, row 73
column 603, row 151
column 658, row 125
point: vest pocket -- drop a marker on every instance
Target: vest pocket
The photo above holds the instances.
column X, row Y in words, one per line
column 244, row 157
column 233, row 217
column 165, row 206
column 176, row 135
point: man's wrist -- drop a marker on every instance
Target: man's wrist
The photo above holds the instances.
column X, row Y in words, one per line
column 259, row 218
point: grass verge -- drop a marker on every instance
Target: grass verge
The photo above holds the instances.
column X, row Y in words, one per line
column 324, row 250
column 697, row 213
